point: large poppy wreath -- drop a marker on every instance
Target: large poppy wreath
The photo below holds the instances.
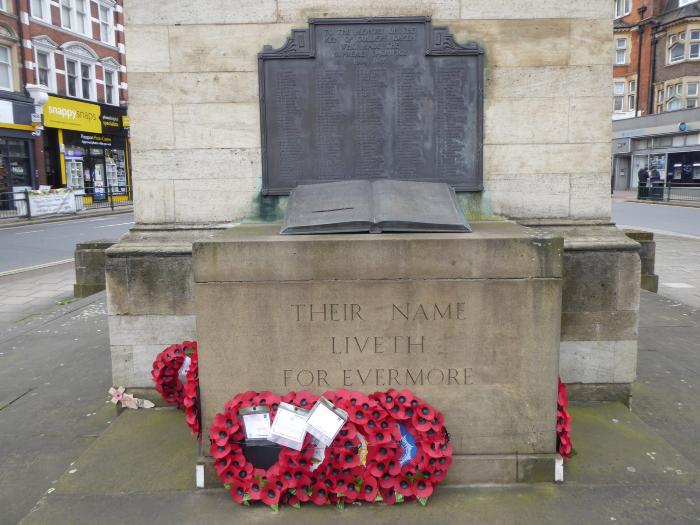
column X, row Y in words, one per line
column 166, row 376
column 393, row 448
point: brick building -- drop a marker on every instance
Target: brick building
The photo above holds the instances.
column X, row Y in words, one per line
column 73, row 50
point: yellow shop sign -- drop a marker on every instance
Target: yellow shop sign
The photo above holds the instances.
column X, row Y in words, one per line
column 70, row 114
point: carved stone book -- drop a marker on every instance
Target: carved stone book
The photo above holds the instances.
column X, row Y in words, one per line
column 373, row 206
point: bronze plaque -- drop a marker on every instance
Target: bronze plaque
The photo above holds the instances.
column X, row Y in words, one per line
column 374, row 98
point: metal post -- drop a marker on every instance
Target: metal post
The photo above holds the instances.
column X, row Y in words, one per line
column 26, row 200
column 109, row 197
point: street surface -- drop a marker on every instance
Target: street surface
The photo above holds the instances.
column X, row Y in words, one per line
column 677, row 235
column 35, row 244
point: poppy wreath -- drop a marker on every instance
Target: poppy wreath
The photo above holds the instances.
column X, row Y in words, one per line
column 283, row 481
column 191, row 396
column 166, row 376
column 564, row 446
column 393, row 448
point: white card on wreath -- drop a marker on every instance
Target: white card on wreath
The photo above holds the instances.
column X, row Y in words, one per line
column 325, row 421
column 257, row 425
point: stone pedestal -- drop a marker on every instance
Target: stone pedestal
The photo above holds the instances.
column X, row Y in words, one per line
column 90, row 267
column 470, row 322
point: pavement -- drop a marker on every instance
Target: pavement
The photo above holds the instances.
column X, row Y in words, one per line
column 65, row 456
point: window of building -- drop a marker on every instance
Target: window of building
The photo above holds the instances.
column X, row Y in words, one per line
column 660, row 101
column 692, row 95
column 620, row 51
column 3, row 5
column 111, row 92
column 632, row 95
column 41, row 10
column 694, row 47
column 72, row 77
column 6, row 68
column 681, row 3
column 45, row 71
column 107, row 24
column 75, row 15
column 618, row 96
column 86, row 81
column 676, row 47
column 622, row 8
column 673, row 104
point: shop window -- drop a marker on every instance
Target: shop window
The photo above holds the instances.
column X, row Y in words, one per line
column 111, row 93
column 75, row 15
column 622, row 8
column 41, row 10
column 107, row 24
column 5, row 68
column 14, row 156
column 620, row 51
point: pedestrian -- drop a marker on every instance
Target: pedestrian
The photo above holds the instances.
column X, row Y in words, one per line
column 643, row 176
column 655, row 176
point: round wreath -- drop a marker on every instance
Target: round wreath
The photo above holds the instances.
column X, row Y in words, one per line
column 166, row 376
column 393, row 447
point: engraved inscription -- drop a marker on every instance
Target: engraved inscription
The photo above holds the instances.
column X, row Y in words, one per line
column 451, row 116
column 369, row 125
column 409, row 98
column 289, row 147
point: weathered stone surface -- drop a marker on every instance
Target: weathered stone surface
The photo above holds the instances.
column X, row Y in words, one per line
column 590, row 193
column 533, row 82
column 511, row 121
column 161, row 12
column 515, row 196
column 90, row 267
column 156, row 202
column 534, row 9
column 539, row 159
column 208, row 48
column 148, row 49
column 211, row 126
column 598, row 361
column 298, row 11
column 586, row 119
column 519, row 43
column 590, row 42
column 190, row 192
column 236, row 165
column 647, row 254
column 535, row 468
column 507, row 357
column 192, row 88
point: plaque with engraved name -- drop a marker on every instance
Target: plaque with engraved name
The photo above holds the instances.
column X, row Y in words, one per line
column 368, row 99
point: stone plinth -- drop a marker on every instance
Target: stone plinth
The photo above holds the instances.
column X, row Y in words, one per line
column 90, row 267
column 470, row 322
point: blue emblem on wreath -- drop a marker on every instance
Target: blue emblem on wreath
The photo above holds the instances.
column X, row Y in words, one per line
column 408, row 445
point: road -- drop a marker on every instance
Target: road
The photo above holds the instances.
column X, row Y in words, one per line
column 658, row 218
column 36, row 244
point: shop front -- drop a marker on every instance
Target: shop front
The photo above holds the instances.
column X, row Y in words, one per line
column 17, row 170
column 88, row 149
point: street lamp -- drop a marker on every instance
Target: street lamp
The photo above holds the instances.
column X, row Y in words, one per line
column 40, row 95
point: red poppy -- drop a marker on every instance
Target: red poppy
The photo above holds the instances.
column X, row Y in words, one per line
column 357, row 415
column 292, row 499
column 305, row 399
column 403, row 486
column 386, row 481
column 270, row 495
column 289, row 397
column 423, row 488
column 388, row 495
column 228, row 475
column 319, row 495
column 438, row 475
column 349, row 430
column 351, row 492
column 369, row 488
column 303, row 486
column 255, row 490
column 378, row 468
column 237, row 491
column 219, row 451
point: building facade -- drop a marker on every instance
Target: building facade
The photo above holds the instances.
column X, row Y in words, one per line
column 73, row 50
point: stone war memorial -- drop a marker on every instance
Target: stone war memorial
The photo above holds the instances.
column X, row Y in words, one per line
column 472, row 137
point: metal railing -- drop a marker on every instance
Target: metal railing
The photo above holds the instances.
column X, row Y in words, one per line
column 16, row 204
column 675, row 192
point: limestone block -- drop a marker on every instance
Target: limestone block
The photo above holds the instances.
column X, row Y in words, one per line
column 534, row 82
column 217, row 125
column 132, row 364
column 498, row 9
column 147, row 49
column 116, row 279
column 513, row 195
column 524, row 159
column 526, row 121
column 184, row 12
column 298, row 11
column 151, row 127
column 155, row 203
column 472, row 469
column 261, row 324
column 90, row 267
column 598, row 361
column 518, row 43
column 127, row 330
column 210, row 48
column 187, row 164
column 591, row 43
column 192, row 88
column 588, row 120
column 204, row 200
column 605, row 325
column 590, row 194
